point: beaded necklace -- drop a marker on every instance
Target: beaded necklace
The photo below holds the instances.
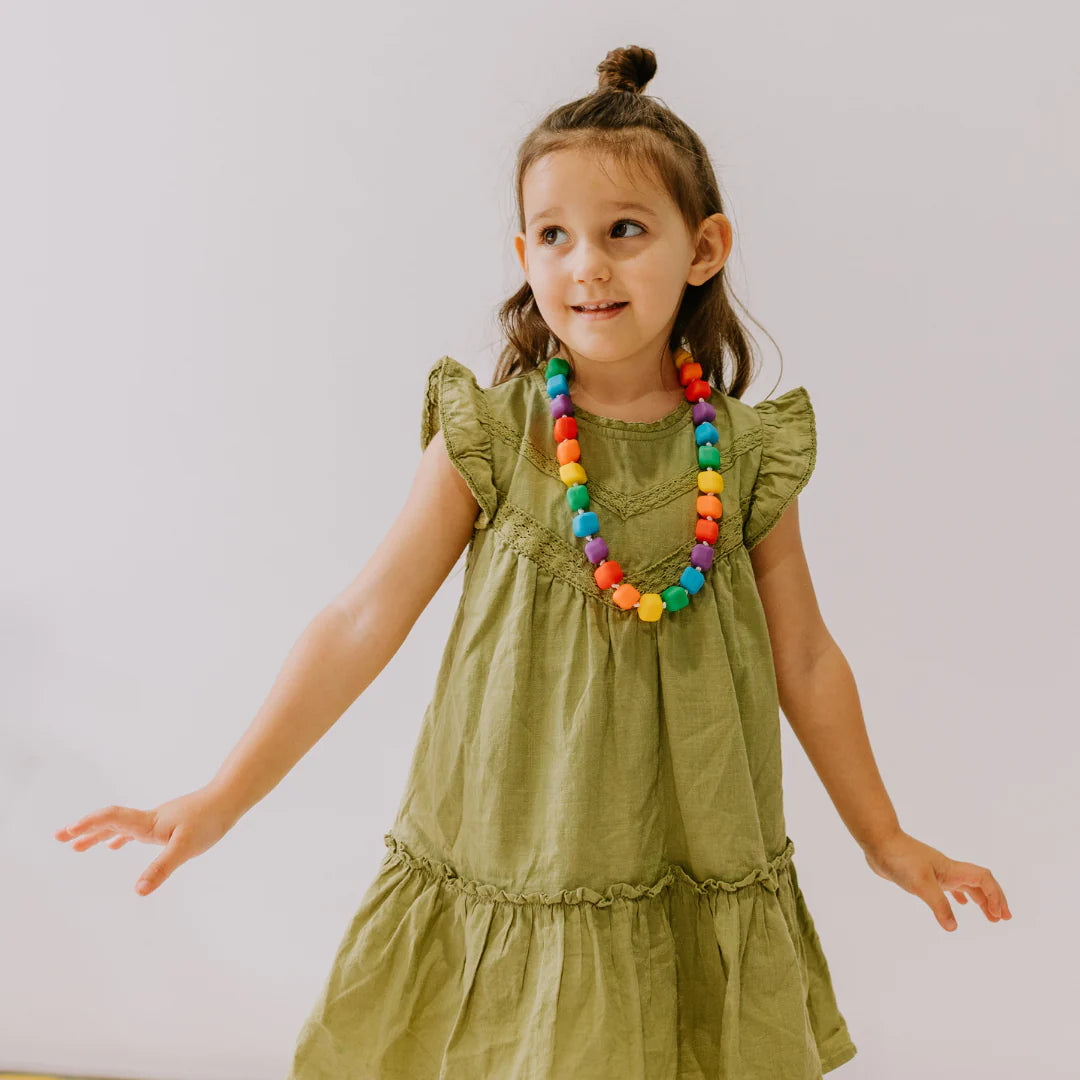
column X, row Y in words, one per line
column 586, row 526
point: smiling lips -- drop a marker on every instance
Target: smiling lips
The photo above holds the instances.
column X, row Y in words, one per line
column 601, row 313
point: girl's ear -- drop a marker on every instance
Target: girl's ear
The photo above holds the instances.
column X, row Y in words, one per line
column 713, row 247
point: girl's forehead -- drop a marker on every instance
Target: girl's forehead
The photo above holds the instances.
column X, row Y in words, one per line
column 571, row 180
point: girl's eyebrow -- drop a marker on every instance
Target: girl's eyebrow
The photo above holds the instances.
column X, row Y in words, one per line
column 641, row 208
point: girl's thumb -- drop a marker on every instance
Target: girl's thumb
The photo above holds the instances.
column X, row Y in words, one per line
column 939, row 904
column 160, row 869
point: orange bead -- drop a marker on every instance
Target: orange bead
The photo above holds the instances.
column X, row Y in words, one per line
column 709, row 506
column 565, row 428
column 607, row 574
column 688, row 373
column 568, row 450
column 698, row 388
column 707, row 530
column 626, row 596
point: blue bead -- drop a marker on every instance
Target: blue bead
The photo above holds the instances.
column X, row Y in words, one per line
column 706, row 433
column 692, row 579
column 557, row 384
column 586, row 524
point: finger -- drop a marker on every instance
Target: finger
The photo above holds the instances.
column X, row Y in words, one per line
column 126, row 816
column 90, row 839
column 937, row 901
column 996, row 895
column 119, row 842
column 979, row 897
column 958, row 895
column 979, row 877
column 163, row 866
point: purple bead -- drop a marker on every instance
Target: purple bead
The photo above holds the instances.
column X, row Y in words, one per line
column 703, row 411
column 701, row 556
column 596, row 549
column 561, row 405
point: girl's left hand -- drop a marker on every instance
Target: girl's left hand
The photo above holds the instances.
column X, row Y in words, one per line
column 926, row 872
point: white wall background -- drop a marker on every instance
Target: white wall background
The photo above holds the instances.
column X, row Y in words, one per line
column 234, row 238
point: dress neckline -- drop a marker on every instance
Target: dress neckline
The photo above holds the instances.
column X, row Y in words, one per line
column 612, row 423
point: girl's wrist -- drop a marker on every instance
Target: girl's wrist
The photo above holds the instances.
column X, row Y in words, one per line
column 226, row 799
column 879, row 837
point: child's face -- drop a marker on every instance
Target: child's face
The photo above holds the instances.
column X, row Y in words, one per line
column 590, row 249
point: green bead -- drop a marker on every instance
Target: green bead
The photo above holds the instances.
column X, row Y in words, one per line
column 675, row 597
column 577, row 495
column 708, row 455
column 556, row 366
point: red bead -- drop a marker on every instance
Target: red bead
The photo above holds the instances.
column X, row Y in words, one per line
column 707, row 531
column 689, row 372
column 565, row 428
column 699, row 388
column 568, row 450
column 607, row 574
column 709, row 506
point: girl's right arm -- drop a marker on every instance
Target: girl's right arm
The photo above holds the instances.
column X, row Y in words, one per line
column 335, row 659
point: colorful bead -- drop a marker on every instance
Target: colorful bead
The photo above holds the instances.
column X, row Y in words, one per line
column 706, row 434
column 688, row 373
column 607, row 574
column 573, row 473
column 703, row 411
column 577, row 497
column 709, row 506
column 702, row 556
column 568, row 450
column 565, row 428
column 585, row 523
column 562, row 406
column 650, row 607
column 708, row 457
column 557, row 384
column 710, row 481
column 707, row 531
column 675, row 597
column 697, row 389
column 692, row 579
column 596, row 550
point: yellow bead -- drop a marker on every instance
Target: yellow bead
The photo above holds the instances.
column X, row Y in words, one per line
column 710, row 481
column 572, row 473
column 650, row 607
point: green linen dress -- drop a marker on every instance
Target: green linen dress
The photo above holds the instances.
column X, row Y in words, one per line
column 589, row 874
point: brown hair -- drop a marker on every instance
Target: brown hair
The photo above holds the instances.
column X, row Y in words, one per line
column 639, row 132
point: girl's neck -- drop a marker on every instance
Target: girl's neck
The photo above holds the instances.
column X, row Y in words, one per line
column 627, row 390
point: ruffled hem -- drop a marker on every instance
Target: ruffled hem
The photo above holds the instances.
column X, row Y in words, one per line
column 768, row 876
column 439, row 977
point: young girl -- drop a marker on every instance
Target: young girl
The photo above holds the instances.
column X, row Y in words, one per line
column 589, row 874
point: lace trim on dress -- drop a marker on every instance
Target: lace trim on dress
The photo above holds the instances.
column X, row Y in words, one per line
column 567, row 561
column 768, row 876
column 624, row 504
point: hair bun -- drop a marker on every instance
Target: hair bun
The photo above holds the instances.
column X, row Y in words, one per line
column 628, row 69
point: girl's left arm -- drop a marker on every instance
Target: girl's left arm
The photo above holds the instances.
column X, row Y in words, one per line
column 818, row 695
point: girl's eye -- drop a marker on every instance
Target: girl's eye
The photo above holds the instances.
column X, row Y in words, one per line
column 544, row 230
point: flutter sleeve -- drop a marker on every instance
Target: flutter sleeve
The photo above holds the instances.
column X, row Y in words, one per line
column 454, row 402
column 788, row 454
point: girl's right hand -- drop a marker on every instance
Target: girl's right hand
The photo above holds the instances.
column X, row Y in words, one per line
column 187, row 826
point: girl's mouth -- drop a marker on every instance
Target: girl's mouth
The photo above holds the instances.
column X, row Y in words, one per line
column 603, row 313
